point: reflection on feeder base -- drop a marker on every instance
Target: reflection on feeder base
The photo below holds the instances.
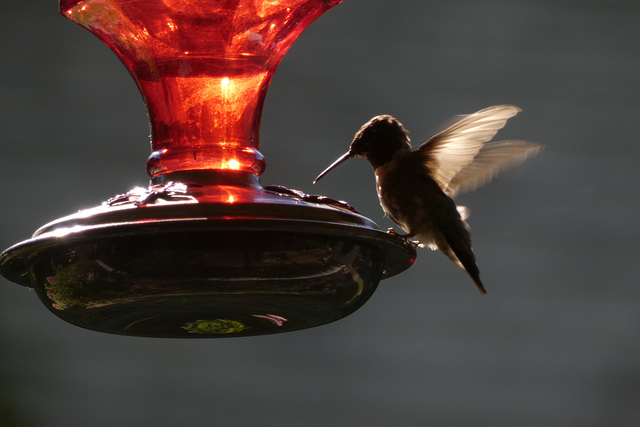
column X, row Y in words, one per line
column 207, row 284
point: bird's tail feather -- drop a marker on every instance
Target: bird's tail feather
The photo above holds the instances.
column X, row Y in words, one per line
column 464, row 259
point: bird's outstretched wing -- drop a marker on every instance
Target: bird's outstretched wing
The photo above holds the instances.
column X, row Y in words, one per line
column 492, row 158
column 448, row 152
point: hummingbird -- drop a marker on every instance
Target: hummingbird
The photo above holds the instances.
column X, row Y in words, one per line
column 416, row 187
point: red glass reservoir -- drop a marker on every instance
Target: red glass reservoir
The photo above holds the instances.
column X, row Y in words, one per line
column 203, row 67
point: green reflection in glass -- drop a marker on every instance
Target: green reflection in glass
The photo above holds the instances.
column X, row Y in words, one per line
column 214, row 326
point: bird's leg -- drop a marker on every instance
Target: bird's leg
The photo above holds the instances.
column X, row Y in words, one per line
column 395, row 233
column 407, row 236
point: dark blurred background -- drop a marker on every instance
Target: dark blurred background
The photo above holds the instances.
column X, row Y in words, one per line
column 557, row 342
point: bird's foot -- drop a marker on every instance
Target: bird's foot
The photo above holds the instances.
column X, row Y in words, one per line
column 395, row 233
column 407, row 237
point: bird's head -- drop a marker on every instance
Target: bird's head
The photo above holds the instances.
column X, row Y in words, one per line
column 377, row 141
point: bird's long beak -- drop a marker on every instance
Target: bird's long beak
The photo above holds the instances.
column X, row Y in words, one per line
column 343, row 158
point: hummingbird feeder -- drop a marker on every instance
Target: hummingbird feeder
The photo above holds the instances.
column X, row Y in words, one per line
column 205, row 250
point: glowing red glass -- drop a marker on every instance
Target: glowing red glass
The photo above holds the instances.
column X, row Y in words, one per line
column 203, row 67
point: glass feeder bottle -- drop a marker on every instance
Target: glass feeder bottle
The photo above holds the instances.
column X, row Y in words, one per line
column 205, row 250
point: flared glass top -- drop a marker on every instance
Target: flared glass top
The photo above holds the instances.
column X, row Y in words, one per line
column 203, row 67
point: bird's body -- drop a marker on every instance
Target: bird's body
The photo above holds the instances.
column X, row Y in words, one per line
column 423, row 211
column 416, row 187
